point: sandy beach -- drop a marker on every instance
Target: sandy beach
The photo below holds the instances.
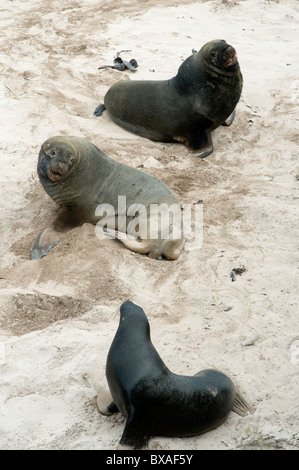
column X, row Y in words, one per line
column 59, row 314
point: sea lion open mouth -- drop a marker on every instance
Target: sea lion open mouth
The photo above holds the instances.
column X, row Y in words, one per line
column 231, row 61
column 54, row 175
column 232, row 56
column 56, row 171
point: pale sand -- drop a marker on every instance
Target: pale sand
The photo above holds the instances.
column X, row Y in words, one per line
column 59, row 314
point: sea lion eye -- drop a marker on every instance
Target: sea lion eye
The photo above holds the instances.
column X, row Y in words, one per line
column 52, row 153
column 213, row 54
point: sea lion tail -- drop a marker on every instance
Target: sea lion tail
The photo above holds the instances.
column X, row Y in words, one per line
column 240, row 406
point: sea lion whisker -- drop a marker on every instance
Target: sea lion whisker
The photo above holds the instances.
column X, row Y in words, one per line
column 115, row 312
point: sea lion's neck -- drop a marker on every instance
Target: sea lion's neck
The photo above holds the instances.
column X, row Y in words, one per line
column 214, row 71
column 93, row 172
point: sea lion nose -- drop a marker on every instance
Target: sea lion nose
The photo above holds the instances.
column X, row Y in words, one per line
column 231, row 50
column 58, row 166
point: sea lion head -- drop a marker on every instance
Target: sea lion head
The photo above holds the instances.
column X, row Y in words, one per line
column 57, row 158
column 130, row 312
column 220, row 55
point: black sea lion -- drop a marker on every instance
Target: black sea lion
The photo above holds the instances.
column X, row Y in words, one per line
column 202, row 96
column 155, row 401
column 93, row 188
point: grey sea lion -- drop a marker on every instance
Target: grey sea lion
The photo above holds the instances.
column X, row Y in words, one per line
column 154, row 400
column 91, row 187
column 188, row 107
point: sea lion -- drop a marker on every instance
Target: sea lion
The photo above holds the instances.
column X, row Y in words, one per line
column 93, row 188
column 154, row 400
column 202, row 96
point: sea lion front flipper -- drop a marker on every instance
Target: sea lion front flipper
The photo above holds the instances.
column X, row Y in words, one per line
column 46, row 240
column 202, row 143
column 51, row 235
column 229, row 120
column 99, row 110
column 134, row 435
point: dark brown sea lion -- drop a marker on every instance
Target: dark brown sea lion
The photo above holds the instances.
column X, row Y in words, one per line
column 154, row 400
column 202, row 96
column 93, row 188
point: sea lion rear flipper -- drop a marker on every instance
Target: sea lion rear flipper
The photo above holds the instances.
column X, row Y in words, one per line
column 51, row 235
column 170, row 250
column 240, row 406
column 131, row 242
column 99, row 110
column 104, row 397
column 108, row 410
column 229, row 120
